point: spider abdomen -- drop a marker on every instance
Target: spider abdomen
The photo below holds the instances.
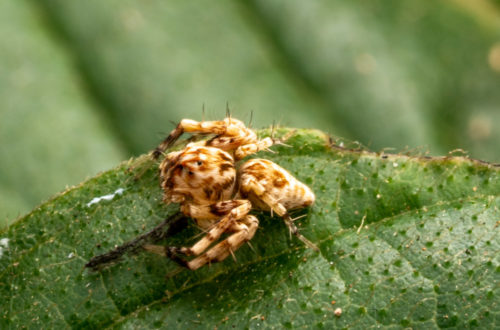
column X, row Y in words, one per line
column 276, row 182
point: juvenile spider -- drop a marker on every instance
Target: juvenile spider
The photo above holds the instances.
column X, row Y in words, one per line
column 204, row 180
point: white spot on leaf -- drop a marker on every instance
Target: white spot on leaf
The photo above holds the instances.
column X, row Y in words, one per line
column 109, row 197
column 4, row 245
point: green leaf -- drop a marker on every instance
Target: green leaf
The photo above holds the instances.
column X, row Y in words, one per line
column 406, row 241
column 84, row 84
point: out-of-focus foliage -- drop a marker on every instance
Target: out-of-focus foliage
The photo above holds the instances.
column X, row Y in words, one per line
column 52, row 133
column 84, row 84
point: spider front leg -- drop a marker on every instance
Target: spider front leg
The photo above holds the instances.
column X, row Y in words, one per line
column 189, row 126
column 248, row 149
column 253, row 147
column 236, row 220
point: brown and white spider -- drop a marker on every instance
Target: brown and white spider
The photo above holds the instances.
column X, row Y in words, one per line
column 204, row 180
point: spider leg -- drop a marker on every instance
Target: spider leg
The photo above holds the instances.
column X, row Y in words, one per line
column 189, row 126
column 176, row 222
column 244, row 231
column 275, row 206
column 168, row 141
column 227, row 223
column 248, row 149
column 222, row 226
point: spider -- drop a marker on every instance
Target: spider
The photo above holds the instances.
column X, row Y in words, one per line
column 211, row 189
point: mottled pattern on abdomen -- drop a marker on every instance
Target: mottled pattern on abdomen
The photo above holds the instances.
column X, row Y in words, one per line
column 277, row 182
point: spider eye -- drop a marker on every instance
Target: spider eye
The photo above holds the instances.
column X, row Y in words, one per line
column 199, row 163
column 190, row 173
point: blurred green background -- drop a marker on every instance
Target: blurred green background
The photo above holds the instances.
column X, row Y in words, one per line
column 87, row 84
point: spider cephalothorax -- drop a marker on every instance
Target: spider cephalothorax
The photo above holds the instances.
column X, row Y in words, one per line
column 204, row 180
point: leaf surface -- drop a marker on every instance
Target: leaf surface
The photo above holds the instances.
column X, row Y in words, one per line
column 406, row 241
